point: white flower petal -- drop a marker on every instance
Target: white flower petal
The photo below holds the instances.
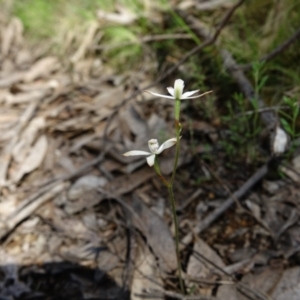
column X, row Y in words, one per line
column 177, row 92
column 178, row 88
column 167, row 144
column 197, row 96
column 150, row 160
column 171, row 91
column 136, row 152
column 188, row 94
column 160, row 95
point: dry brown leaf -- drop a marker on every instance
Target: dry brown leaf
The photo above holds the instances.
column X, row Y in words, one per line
column 81, row 141
column 198, row 267
column 130, row 118
column 124, row 16
column 14, row 78
column 7, row 206
column 107, row 260
column 23, row 58
column 82, row 122
column 158, row 235
column 85, row 185
column 254, row 208
column 109, row 98
column 42, row 68
column 157, row 126
column 33, row 159
column 262, row 283
column 146, row 276
column 25, row 97
column 288, row 287
column 12, row 33
column 167, row 163
column 6, row 154
column 228, row 291
column 128, row 183
column 22, row 148
column 7, row 67
column 78, row 253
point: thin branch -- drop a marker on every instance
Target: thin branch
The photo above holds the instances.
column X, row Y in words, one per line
column 284, row 46
column 216, row 213
column 268, row 117
column 209, row 41
column 146, row 39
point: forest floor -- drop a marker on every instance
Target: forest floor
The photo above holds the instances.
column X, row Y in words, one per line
column 78, row 220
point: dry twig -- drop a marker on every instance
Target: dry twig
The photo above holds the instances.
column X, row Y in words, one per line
column 282, row 47
column 146, row 39
column 208, row 41
column 256, row 177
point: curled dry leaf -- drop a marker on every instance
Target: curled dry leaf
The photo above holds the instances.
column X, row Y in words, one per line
column 42, row 68
column 126, row 184
column 10, row 35
column 124, row 16
column 22, row 148
column 158, row 235
column 228, row 291
column 33, row 159
column 130, row 118
column 198, row 266
column 203, row 264
column 84, row 185
column 25, row 97
column 146, row 276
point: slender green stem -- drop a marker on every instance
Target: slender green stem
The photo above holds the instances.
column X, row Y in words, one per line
column 169, row 185
column 171, row 192
column 172, row 200
column 178, row 129
column 177, row 110
column 158, row 172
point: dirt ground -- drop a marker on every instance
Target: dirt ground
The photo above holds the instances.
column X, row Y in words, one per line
column 80, row 221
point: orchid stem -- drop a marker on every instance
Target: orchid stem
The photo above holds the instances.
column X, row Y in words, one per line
column 158, row 172
column 171, row 192
column 172, row 200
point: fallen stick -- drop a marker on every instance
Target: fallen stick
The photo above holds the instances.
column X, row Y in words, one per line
column 282, row 47
column 268, row 117
column 207, row 221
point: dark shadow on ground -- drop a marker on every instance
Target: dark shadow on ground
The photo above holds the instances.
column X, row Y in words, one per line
column 63, row 280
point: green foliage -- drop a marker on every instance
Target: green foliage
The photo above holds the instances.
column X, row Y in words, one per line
column 127, row 48
column 289, row 118
column 243, row 129
column 244, row 126
column 44, row 18
column 255, row 29
column 37, row 15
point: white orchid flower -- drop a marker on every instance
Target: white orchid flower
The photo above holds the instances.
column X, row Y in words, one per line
column 154, row 148
column 177, row 92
